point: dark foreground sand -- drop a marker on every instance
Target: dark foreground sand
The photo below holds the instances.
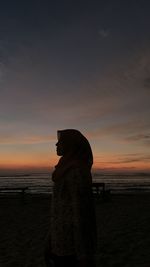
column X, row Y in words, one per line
column 123, row 231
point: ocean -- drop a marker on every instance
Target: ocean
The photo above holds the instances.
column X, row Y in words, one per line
column 42, row 183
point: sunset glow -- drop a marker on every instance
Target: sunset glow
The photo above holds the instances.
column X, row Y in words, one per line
column 76, row 66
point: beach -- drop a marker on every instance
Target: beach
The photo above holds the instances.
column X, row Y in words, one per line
column 123, row 223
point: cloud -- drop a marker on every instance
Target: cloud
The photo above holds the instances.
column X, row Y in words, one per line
column 123, row 129
column 139, row 137
column 104, row 33
column 124, row 158
column 147, row 83
column 2, row 71
column 143, row 139
column 135, row 158
column 14, row 140
column 133, row 134
column 34, row 96
column 137, row 72
column 127, row 76
column 112, row 104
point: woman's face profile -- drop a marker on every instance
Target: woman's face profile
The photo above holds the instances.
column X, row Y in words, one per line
column 59, row 148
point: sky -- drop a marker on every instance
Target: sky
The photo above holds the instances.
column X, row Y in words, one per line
column 75, row 64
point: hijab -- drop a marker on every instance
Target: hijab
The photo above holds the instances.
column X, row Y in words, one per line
column 77, row 152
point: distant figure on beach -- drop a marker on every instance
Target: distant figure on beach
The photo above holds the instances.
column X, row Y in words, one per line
column 72, row 236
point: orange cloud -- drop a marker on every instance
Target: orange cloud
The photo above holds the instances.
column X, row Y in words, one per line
column 7, row 140
column 28, row 161
column 136, row 162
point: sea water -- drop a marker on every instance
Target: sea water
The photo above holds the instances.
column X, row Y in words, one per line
column 42, row 182
column 124, row 182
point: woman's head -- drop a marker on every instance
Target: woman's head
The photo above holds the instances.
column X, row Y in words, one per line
column 74, row 144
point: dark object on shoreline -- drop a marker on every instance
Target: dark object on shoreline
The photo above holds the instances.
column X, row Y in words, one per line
column 100, row 191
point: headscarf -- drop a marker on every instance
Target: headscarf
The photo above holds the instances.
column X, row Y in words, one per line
column 77, row 152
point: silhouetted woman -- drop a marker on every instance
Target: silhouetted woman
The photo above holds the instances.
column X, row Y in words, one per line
column 72, row 238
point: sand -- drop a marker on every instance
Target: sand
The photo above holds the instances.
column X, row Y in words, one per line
column 123, row 231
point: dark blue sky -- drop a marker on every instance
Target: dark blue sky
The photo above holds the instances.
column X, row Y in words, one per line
column 75, row 64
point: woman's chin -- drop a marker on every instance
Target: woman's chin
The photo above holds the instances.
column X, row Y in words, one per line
column 59, row 153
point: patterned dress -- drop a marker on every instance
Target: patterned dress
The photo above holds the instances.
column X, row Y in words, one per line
column 73, row 224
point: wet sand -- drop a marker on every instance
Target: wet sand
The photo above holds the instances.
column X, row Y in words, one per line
column 123, row 231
